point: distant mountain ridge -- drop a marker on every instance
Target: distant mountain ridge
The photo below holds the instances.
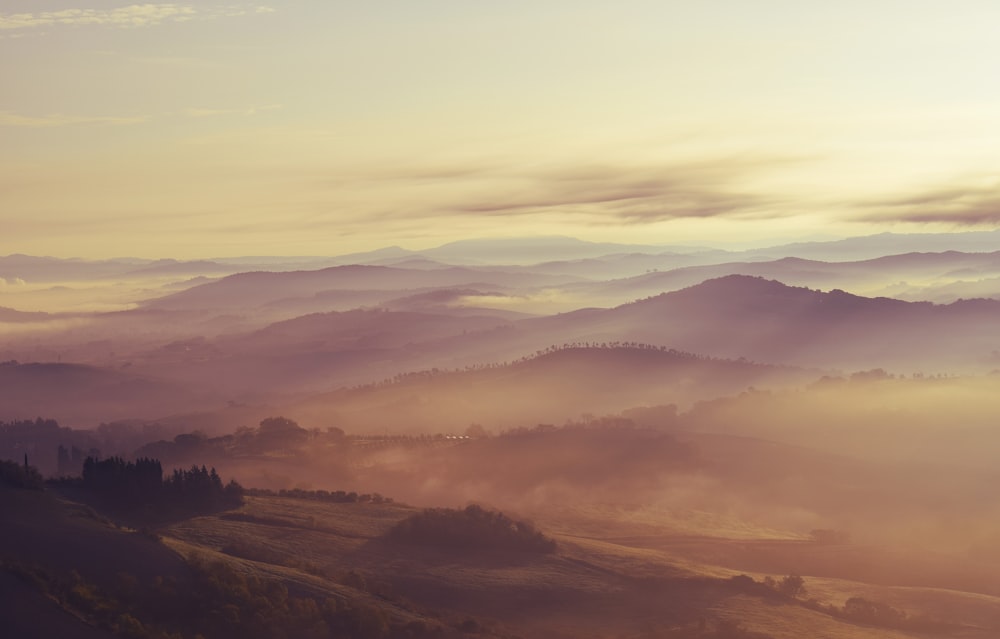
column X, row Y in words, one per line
column 551, row 254
column 250, row 289
column 76, row 394
column 767, row 320
column 730, row 317
column 877, row 245
column 14, row 315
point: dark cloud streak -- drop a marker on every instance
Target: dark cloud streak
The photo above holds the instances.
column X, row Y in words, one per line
column 604, row 194
column 973, row 206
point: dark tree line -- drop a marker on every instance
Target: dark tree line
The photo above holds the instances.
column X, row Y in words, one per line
column 54, row 449
column 28, row 426
column 141, row 483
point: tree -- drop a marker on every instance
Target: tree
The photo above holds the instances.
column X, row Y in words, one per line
column 280, row 432
column 792, row 586
column 872, row 612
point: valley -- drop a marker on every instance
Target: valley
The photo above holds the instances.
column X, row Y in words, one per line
column 745, row 446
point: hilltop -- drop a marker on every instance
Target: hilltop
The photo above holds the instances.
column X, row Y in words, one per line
column 768, row 321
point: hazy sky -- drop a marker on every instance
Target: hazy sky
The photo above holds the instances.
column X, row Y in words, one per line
column 321, row 127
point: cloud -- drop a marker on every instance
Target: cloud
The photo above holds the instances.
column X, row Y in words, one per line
column 16, row 35
column 621, row 199
column 8, row 119
column 625, row 195
column 136, row 15
column 56, row 120
column 12, row 282
column 131, row 16
column 207, row 113
column 962, row 206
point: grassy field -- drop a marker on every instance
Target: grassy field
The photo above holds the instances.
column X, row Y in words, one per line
column 595, row 585
column 623, row 577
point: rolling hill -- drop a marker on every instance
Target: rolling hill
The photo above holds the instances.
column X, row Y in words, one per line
column 85, row 396
column 765, row 320
column 941, row 277
column 253, row 289
column 552, row 387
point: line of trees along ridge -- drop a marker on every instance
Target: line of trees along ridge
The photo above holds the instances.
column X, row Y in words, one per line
column 129, row 484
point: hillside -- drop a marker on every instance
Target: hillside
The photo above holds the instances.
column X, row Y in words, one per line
column 932, row 273
column 590, row 587
column 85, row 577
column 78, row 395
column 255, row 337
column 654, row 536
column 43, row 534
column 765, row 320
column 551, row 387
column 14, row 315
column 252, row 289
column 313, row 352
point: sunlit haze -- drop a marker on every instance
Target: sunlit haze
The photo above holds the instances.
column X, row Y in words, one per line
column 302, row 128
column 447, row 319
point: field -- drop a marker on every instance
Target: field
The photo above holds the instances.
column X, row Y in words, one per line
column 593, row 586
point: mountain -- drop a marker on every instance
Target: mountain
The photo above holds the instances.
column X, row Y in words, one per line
column 250, row 290
column 872, row 246
column 452, row 301
column 161, row 268
column 359, row 329
column 14, row 315
column 623, row 265
column 314, row 352
column 34, row 269
column 909, row 273
column 387, row 253
column 731, row 317
column 529, row 250
column 78, row 395
column 766, row 320
column 987, row 287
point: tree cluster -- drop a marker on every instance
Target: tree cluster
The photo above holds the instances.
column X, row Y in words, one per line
column 29, row 426
column 473, row 528
column 872, row 612
column 882, row 615
column 791, row 586
column 855, row 609
column 274, row 436
column 130, row 485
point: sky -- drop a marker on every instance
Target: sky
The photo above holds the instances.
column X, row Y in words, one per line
column 305, row 127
